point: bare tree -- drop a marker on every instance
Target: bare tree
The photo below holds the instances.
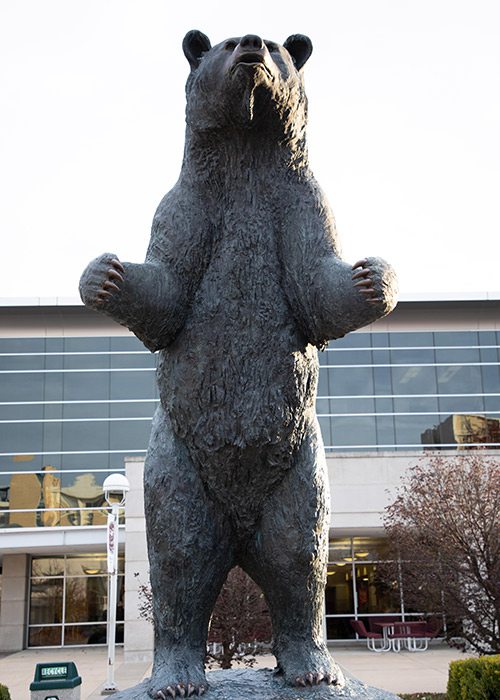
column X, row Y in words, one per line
column 445, row 526
column 240, row 620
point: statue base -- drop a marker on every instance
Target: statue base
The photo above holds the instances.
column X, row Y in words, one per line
column 263, row 684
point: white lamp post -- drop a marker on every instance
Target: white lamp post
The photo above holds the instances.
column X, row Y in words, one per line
column 116, row 487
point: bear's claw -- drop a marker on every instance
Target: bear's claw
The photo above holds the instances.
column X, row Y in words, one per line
column 314, row 679
column 180, row 691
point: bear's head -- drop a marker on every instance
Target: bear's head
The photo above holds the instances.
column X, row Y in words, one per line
column 246, row 83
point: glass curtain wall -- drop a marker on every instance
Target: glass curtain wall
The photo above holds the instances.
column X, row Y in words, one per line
column 71, row 409
column 69, row 600
column 410, row 391
column 356, row 591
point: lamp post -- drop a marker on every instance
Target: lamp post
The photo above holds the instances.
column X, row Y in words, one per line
column 116, row 487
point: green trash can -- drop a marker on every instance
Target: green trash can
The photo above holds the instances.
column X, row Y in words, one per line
column 56, row 681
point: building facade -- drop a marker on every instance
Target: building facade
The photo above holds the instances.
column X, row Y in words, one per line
column 77, row 393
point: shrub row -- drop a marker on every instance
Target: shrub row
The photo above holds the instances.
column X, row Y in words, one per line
column 4, row 693
column 475, row 679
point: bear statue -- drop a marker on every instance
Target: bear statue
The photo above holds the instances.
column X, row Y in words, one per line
column 243, row 282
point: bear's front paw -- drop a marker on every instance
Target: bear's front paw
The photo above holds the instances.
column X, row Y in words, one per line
column 363, row 279
column 101, row 280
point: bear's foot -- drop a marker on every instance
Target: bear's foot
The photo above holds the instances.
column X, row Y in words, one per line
column 177, row 674
column 303, row 666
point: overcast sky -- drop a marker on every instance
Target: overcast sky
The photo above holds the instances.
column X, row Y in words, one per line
column 404, row 129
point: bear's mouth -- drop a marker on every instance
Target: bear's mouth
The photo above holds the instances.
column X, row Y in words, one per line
column 252, row 61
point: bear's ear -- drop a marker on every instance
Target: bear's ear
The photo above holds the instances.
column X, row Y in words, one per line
column 195, row 44
column 300, row 48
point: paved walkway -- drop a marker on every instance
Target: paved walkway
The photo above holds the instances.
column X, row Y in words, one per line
column 400, row 673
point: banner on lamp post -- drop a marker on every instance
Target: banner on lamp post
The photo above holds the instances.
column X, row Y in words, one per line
column 112, row 535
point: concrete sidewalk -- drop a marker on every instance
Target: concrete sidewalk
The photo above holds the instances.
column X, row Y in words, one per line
column 405, row 672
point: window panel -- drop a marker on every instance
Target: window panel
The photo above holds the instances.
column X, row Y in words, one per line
column 86, row 361
column 86, row 385
column 350, row 357
column 339, row 628
column 409, row 429
column 351, row 381
column 456, row 338
column 134, row 410
column 87, row 344
column 132, row 435
column 47, row 566
column 416, row 404
column 338, row 550
column 379, row 340
column 86, row 599
column 127, row 385
column 22, row 387
column 356, row 431
column 458, row 355
column 21, row 437
column 352, row 340
column 85, row 435
column 414, row 380
column 339, row 596
column 46, row 601
column 45, row 636
column 491, row 379
column 370, row 549
column 53, row 386
column 17, row 345
column 374, row 594
column 459, row 380
column 382, row 379
column 456, row 404
column 411, row 339
column 412, row 356
column 386, row 434
column 20, row 412
column 133, row 359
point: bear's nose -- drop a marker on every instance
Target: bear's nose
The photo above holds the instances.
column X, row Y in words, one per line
column 251, row 42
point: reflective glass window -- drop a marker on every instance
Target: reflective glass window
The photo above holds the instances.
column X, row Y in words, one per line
column 458, row 355
column 126, row 385
column 46, row 601
column 386, row 435
column 339, row 596
column 22, row 387
column 414, row 380
column 86, row 385
column 370, row 549
column 340, row 550
column 86, row 598
column 351, row 381
column 374, row 593
column 45, row 636
column 131, row 435
column 354, row 431
column 47, row 566
column 412, row 356
column 84, row 435
column 411, row 339
column 468, row 338
column 459, row 379
column 21, row 437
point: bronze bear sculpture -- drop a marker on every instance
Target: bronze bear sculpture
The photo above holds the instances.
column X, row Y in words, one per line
column 242, row 282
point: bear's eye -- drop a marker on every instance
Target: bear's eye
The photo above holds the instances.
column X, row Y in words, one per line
column 230, row 45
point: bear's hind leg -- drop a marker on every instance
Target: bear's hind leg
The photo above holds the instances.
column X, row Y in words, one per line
column 190, row 556
column 288, row 560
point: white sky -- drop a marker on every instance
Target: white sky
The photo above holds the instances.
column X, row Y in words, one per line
column 404, row 129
